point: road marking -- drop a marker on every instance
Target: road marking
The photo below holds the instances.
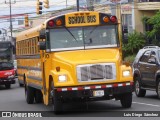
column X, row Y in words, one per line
column 146, row 104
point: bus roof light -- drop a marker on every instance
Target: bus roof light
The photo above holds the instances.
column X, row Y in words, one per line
column 58, row 22
column 58, row 69
column 81, row 13
column 76, row 14
column 51, row 23
column 113, row 19
column 105, row 19
column 87, row 13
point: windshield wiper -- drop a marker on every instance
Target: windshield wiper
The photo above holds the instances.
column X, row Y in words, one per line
column 71, row 33
column 88, row 37
column 92, row 30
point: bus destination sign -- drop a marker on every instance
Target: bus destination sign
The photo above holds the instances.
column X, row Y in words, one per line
column 82, row 20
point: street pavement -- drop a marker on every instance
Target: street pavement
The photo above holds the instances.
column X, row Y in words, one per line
column 14, row 100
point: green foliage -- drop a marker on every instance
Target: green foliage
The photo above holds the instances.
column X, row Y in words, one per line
column 156, row 42
column 155, row 21
column 144, row 19
column 135, row 42
column 130, row 58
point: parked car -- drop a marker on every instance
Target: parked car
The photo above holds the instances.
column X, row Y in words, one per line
column 7, row 74
column 146, row 71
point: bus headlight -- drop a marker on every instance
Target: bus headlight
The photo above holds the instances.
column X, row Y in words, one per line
column 126, row 73
column 62, row 78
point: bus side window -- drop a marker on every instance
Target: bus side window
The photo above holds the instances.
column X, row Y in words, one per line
column 17, row 48
column 28, row 47
column 20, row 46
column 37, row 48
column 32, row 46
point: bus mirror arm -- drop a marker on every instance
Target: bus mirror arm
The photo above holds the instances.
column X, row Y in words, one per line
column 42, row 45
column 42, row 34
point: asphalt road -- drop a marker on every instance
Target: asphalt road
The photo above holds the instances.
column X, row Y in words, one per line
column 14, row 100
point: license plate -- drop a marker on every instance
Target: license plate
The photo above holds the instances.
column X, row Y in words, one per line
column 98, row 93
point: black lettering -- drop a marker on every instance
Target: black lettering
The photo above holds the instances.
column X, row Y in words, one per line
column 73, row 20
column 91, row 19
column 83, row 20
column 79, row 19
column 94, row 18
column 69, row 20
column 88, row 19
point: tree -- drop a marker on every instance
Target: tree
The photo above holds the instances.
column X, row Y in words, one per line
column 155, row 21
column 135, row 42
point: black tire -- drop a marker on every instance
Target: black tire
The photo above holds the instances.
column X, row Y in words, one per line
column 38, row 96
column 126, row 100
column 29, row 93
column 158, row 88
column 8, row 86
column 21, row 85
column 137, row 88
column 57, row 104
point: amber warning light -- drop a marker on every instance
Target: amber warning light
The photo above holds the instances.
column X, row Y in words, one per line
column 105, row 19
column 58, row 22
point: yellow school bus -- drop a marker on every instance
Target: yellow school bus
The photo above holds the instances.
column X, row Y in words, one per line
column 75, row 56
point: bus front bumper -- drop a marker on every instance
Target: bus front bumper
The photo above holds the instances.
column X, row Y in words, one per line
column 104, row 91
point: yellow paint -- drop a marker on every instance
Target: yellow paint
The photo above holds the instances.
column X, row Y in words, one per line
column 68, row 61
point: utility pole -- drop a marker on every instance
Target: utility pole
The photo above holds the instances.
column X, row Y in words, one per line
column 77, row 5
column 66, row 3
column 10, row 7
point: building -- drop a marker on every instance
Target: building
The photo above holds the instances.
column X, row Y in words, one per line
column 144, row 9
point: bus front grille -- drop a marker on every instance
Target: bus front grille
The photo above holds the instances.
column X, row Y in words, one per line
column 96, row 72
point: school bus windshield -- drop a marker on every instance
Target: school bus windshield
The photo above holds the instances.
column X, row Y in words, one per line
column 83, row 38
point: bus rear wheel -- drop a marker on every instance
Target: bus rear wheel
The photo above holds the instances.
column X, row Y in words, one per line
column 29, row 94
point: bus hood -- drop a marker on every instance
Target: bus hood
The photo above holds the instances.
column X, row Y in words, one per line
column 87, row 56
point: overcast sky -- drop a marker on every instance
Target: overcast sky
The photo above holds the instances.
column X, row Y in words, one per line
column 26, row 6
column 29, row 6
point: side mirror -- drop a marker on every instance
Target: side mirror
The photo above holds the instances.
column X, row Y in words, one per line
column 42, row 34
column 42, row 45
column 152, row 60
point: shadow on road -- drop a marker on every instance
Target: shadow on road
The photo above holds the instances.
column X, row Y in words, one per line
column 89, row 109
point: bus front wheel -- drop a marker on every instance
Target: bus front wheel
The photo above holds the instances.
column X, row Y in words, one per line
column 29, row 94
column 126, row 100
column 57, row 104
column 38, row 96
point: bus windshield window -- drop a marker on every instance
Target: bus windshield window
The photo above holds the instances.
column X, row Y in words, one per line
column 84, row 37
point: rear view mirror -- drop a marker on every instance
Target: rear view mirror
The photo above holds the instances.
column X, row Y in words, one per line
column 42, row 45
